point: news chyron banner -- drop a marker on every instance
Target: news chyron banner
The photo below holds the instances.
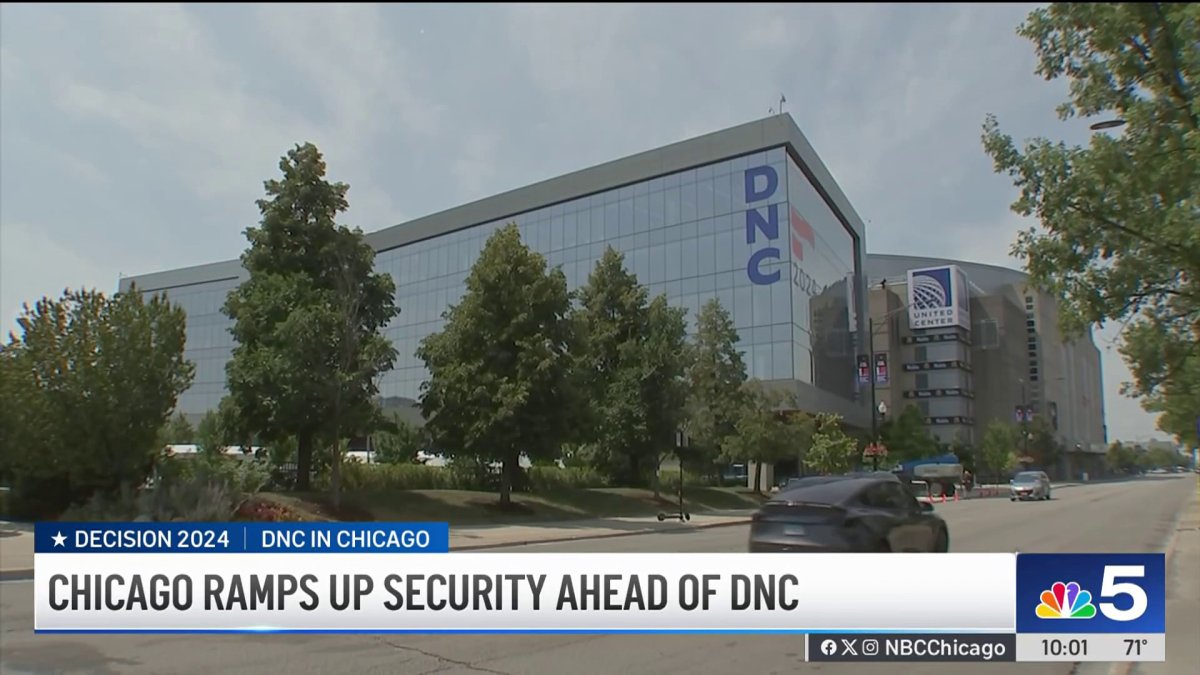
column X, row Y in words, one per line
column 402, row 578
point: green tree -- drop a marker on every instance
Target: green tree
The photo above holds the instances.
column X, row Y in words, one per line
column 178, row 431
column 211, row 435
column 500, row 369
column 764, row 432
column 1120, row 218
column 612, row 321
column 1120, row 459
column 398, row 443
column 1043, row 444
column 832, row 451
column 87, row 388
column 907, row 437
column 997, row 451
column 664, row 392
column 308, row 319
column 716, row 378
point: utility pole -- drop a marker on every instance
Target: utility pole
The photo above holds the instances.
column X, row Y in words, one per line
column 1024, row 422
column 871, row 365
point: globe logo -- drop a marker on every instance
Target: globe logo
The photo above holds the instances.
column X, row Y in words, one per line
column 929, row 293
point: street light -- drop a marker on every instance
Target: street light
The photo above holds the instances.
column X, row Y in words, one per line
column 871, row 357
column 1107, row 124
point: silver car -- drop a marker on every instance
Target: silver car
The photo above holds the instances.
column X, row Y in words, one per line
column 1029, row 485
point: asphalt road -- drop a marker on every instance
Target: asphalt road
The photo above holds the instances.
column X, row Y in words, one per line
column 1130, row 516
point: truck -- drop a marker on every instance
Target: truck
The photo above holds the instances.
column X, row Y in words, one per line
column 943, row 474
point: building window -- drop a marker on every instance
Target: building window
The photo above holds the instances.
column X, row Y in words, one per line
column 1032, row 355
column 922, row 354
column 1030, row 324
column 923, row 406
column 922, row 380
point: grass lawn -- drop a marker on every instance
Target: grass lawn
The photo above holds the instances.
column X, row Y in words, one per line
column 463, row 507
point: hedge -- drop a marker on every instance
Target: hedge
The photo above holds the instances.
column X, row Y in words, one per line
column 358, row 477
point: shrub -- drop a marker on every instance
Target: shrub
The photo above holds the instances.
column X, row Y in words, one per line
column 553, row 478
column 255, row 509
column 669, row 478
column 461, row 475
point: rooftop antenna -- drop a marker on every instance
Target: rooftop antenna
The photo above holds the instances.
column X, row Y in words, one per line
column 782, row 100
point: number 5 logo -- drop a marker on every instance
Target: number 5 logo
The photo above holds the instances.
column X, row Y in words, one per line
column 1113, row 588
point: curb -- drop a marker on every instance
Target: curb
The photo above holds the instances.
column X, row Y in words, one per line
column 16, row 575
column 611, row 535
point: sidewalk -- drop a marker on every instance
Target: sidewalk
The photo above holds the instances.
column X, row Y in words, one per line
column 495, row 536
column 16, row 545
column 16, row 552
column 1183, row 598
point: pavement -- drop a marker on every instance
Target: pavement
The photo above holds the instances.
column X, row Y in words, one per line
column 1132, row 516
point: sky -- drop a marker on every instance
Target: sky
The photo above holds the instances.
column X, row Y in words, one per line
column 136, row 138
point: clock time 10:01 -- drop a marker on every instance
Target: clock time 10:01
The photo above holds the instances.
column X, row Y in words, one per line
column 1064, row 647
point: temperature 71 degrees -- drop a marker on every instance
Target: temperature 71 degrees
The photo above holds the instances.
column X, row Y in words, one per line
column 1134, row 647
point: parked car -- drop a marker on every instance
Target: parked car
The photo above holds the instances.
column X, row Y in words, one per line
column 855, row 513
column 1029, row 485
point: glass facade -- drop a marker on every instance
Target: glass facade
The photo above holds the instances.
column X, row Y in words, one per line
column 750, row 231
column 209, row 342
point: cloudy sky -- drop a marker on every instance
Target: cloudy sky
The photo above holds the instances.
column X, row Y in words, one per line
column 136, row 138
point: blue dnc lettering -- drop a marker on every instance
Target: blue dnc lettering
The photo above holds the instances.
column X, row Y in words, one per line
column 761, row 184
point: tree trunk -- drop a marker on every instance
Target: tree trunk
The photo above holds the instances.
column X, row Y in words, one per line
column 304, row 449
column 758, row 477
column 506, row 481
column 657, row 481
column 335, row 477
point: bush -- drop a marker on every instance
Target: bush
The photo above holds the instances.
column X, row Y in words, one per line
column 193, row 488
column 553, row 478
column 461, row 475
column 669, row 478
column 258, row 510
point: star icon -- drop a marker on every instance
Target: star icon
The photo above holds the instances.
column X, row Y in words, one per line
column 59, row 539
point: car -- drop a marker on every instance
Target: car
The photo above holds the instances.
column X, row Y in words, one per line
column 1029, row 485
column 854, row 513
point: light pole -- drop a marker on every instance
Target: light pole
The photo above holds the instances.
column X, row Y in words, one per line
column 1107, row 124
column 875, row 403
column 1024, row 421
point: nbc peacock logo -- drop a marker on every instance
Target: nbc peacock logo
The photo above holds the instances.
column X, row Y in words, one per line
column 1066, row 601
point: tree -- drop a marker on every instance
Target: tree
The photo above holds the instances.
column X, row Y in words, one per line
column 716, row 378
column 907, row 437
column 832, row 451
column 1120, row 218
column 211, row 436
column 664, row 391
column 178, row 431
column 499, row 371
column 764, row 433
column 997, row 452
column 307, row 320
column 1120, row 459
column 1044, row 445
column 399, row 443
column 87, row 388
column 612, row 321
